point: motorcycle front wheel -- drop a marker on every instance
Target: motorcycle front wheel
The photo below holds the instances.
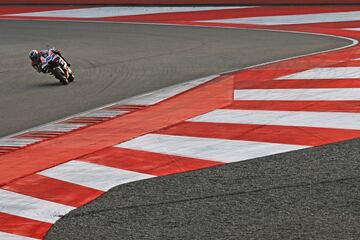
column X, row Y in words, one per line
column 59, row 74
column 71, row 76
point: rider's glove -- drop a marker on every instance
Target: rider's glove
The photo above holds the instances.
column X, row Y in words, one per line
column 56, row 51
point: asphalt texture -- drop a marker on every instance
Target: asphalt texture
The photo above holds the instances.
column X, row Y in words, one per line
column 117, row 61
column 307, row 194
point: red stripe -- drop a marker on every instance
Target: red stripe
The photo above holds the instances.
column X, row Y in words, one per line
column 311, row 106
column 23, row 226
column 297, row 84
column 252, row 76
column 53, row 190
column 6, row 148
column 126, row 107
column 147, row 162
column 86, row 120
column 354, row 63
column 307, row 136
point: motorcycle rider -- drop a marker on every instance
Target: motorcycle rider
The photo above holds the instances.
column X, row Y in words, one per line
column 38, row 60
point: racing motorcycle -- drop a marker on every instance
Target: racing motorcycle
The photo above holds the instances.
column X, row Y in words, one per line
column 57, row 66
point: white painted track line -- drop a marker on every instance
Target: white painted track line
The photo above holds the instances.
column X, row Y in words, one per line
column 206, row 148
column 59, row 127
column 325, row 73
column 294, row 19
column 8, row 236
column 298, row 94
column 30, row 207
column 93, row 175
column 165, row 93
column 16, row 142
column 100, row 12
column 103, row 114
column 353, row 29
column 283, row 118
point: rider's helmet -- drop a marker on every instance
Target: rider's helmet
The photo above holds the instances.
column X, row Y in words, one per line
column 34, row 55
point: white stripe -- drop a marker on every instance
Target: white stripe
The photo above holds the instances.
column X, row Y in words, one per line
column 16, row 142
column 99, row 12
column 103, row 113
column 59, row 127
column 93, row 175
column 206, row 148
column 326, row 73
column 8, row 236
column 30, row 207
column 165, row 93
column 285, row 118
column 353, row 29
column 298, row 94
column 294, row 19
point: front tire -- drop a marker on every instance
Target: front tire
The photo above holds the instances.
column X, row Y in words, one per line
column 71, row 75
column 59, row 74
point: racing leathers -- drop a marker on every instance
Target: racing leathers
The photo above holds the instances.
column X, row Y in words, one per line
column 40, row 64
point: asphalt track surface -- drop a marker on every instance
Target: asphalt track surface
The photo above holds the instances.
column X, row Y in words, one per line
column 116, row 61
column 307, row 194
